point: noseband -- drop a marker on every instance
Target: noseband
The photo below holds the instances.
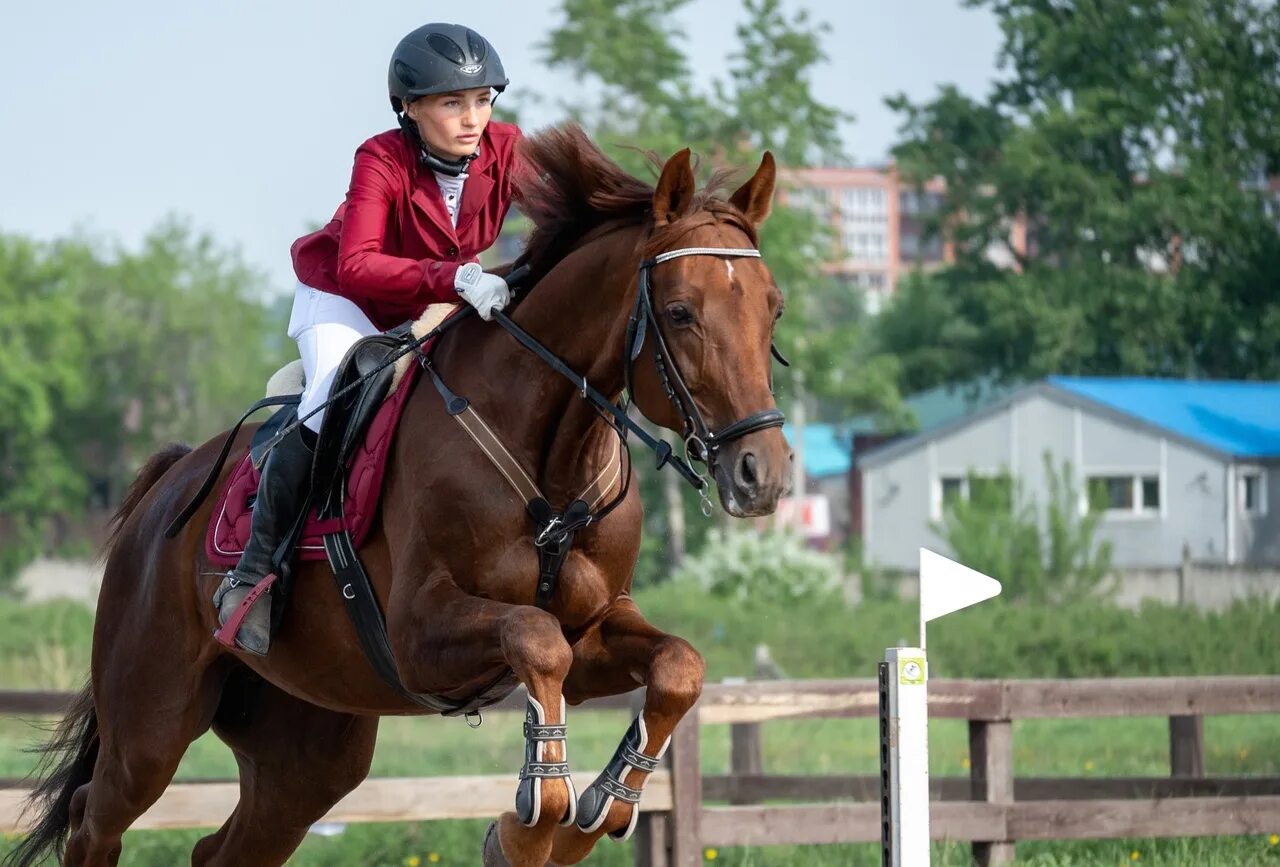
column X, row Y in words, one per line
column 701, row 443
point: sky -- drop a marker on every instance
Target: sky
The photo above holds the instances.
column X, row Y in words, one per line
column 243, row 116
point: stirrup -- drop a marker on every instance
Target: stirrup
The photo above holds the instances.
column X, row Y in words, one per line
column 226, row 633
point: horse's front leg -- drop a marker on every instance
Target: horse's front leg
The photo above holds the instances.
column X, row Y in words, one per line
column 625, row 650
column 457, row 639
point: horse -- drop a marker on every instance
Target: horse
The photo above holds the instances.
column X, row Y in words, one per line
column 451, row 557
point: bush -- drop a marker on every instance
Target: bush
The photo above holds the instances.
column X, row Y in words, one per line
column 1000, row 532
column 997, row 639
column 771, row 566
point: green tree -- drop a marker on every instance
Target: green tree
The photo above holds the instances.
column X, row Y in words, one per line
column 107, row 353
column 1132, row 141
column 41, row 377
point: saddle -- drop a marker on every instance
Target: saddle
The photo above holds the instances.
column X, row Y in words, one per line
column 350, row 458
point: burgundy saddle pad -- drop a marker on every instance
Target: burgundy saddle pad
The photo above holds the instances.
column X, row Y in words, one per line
column 229, row 525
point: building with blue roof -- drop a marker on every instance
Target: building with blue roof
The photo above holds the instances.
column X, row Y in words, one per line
column 1176, row 463
column 828, row 449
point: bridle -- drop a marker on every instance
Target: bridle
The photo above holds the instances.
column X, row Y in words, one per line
column 701, row 443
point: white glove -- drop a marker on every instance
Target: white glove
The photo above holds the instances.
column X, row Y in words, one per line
column 482, row 290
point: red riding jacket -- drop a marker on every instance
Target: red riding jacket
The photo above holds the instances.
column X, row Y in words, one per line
column 390, row 246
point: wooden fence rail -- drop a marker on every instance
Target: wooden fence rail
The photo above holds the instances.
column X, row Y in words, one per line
column 990, row 809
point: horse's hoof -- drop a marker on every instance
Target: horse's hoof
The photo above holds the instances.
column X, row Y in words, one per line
column 493, row 856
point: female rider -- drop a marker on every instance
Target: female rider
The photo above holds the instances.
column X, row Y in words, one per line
column 424, row 200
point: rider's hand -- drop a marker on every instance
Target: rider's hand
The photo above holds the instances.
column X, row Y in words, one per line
column 482, row 290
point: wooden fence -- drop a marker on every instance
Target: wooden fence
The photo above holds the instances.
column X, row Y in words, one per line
column 989, row 808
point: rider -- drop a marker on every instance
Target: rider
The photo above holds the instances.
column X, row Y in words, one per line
column 424, row 200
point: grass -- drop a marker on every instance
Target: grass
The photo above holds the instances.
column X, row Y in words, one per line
column 457, row 843
column 47, row 646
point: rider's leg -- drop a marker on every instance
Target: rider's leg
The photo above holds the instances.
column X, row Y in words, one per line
column 325, row 327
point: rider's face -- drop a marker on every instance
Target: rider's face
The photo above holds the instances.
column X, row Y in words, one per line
column 451, row 123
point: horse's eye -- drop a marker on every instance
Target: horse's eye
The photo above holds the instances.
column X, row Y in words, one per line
column 680, row 314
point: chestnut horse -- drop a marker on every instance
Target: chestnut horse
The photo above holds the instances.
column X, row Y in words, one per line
column 452, row 557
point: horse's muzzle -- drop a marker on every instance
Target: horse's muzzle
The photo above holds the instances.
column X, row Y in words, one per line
column 751, row 473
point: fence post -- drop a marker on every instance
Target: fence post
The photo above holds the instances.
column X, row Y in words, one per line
column 1184, row 576
column 1186, row 746
column 746, row 742
column 744, row 760
column 686, row 786
column 991, row 780
column 651, row 846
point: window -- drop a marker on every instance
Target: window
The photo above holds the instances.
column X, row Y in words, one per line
column 862, row 246
column 1151, row 493
column 815, row 200
column 1125, row 494
column 953, row 489
column 992, row 491
column 878, row 248
column 863, row 204
column 1251, row 492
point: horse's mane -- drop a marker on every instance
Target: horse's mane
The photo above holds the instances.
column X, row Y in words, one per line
column 569, row 188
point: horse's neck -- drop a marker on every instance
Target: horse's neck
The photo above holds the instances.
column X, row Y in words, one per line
column 579, row 311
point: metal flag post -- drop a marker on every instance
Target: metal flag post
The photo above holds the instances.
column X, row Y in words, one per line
column 945, row 586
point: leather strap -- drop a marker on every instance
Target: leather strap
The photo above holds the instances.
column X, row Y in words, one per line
column 371, row 628
column 546, row 770
column 206, row 487
column 535, row 732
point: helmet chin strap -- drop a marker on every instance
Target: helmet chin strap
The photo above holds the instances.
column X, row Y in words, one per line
column 451, row 167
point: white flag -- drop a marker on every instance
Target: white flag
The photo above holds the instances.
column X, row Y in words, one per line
column 947, row 586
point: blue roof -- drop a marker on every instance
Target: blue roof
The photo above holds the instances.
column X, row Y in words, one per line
column 1238, row 418
column 827, row 448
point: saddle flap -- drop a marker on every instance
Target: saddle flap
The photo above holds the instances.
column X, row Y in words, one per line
column 347, row 418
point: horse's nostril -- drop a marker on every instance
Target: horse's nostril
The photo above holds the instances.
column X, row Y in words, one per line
column 749, row 477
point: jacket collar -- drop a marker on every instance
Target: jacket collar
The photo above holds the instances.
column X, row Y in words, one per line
column 475, row 192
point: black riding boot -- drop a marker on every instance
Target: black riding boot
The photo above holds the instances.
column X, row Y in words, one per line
column 282, row 491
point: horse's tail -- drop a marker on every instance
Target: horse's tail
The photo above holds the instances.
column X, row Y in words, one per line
column 66, row 764
column 67, row 760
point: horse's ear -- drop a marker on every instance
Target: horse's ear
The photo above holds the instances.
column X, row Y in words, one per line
column 755, row 197
column 674, row 195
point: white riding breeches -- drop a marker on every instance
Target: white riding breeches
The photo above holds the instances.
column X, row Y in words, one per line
column 325, row 327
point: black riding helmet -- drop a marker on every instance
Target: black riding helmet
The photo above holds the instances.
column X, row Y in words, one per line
column 441, row 58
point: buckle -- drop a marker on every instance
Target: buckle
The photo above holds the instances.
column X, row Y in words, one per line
column 544, row 537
